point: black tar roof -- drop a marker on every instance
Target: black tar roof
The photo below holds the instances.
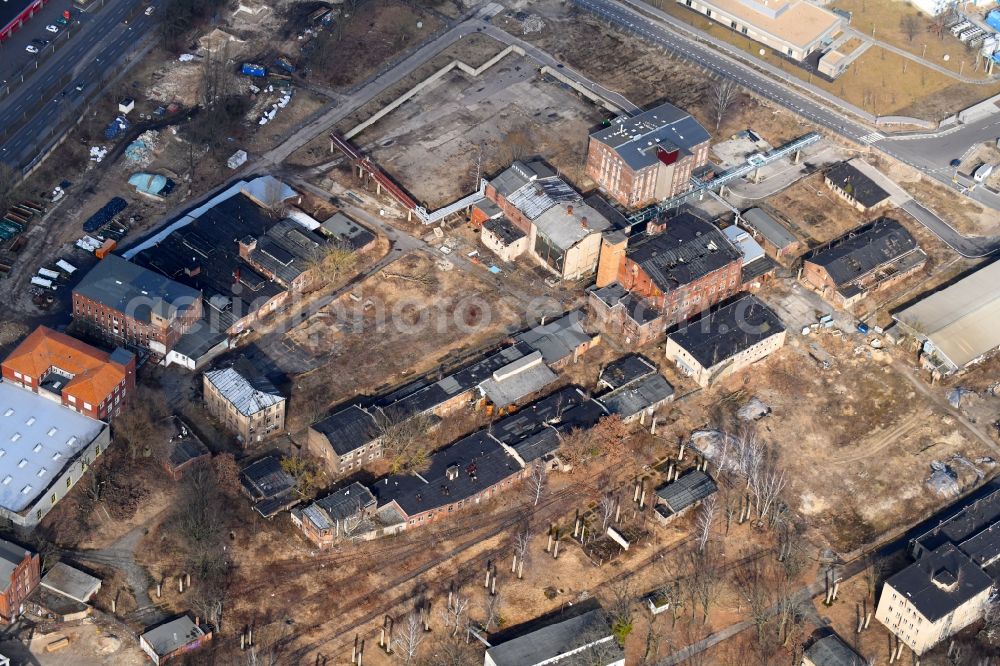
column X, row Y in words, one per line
column 414, row 399
column 504, row 229
column 690, row 488
column 729, row 329
column 10, row 10
column 858, row 186
column 634, row 397
column 549, row 642
column 347, row 231
column 346, row 502
column 534, row 430
column 637, row 309
column 636, row 139
column 481, row 463
column 209, row 246
column 832, row 650
column 183, row 447
column 348, row 429
column 626, row 369
column 268, row 485
column 689, row 249
column 123, row 286
column 863, row 250
column 940, row 581
column 965, row 522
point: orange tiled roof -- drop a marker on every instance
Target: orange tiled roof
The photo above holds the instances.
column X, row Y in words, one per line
column 94, row 374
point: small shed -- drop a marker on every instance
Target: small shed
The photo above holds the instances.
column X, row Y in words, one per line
column 678, row 496
column 237, row 159
column 71, row 582
column 125, row 105
column 173, row 639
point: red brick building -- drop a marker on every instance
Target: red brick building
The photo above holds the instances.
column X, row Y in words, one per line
column 20, row 572
column 680, row 271
column 128, row 304
column 85, row 379
column 649, row 157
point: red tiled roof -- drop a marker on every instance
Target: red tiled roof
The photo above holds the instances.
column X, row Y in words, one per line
column 94, row 374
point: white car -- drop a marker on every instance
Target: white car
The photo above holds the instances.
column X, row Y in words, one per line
column 150, row 10
column 52, row 28
column 31, row 48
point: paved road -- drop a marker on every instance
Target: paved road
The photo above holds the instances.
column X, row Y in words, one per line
column 87, row 57
column 922, row 153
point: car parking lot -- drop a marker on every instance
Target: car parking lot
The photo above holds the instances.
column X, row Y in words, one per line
column 15, row 59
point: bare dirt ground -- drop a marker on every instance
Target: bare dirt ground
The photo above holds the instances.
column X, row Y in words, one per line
column 618, row 61
column 377, row 32
column 432, row 144
column 857, row 440
column 410, row 317
column 813, row 211
column 91, row 644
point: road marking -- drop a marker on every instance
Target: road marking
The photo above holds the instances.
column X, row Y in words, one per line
column 871, row 138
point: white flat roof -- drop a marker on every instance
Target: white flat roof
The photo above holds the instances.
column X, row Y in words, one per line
column 38, row 438
column 961, row 321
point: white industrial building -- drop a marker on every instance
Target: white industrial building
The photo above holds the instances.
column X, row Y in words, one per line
column 958, row 325
column 44, row 450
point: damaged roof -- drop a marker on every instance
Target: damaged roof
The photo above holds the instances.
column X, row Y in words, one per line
column 691, row 488
column 727, row 330
column 248, row 396
column 559, row 338
column 637, row 395
column 479, row 461
column 863, row 250
column 857, row 184
column 687, row 250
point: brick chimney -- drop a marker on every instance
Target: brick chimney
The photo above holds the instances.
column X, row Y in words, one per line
column 611, row 258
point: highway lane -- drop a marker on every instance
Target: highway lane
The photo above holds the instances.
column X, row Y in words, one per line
column 85, row 59
column 913, row 153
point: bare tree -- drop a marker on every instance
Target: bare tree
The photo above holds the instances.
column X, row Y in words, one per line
column 138, row 426
column 703, row 581
column 491, row 608
column 522, row 540
column 536, row 481
column 404, row 439
column 454, row 615
column 706, row 516
column 911, row 27
column 753, row 586
column 407, row 637
column 331, row 262
column 722, row 96
column 620, row 608
column 608, row 505
column 766, row 488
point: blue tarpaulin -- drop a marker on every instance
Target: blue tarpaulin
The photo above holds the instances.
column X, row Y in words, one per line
column 993, row 19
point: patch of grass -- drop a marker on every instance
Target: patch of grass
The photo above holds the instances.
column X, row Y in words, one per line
column 879, row 81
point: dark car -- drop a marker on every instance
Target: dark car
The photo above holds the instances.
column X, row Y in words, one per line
column 955, row 163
